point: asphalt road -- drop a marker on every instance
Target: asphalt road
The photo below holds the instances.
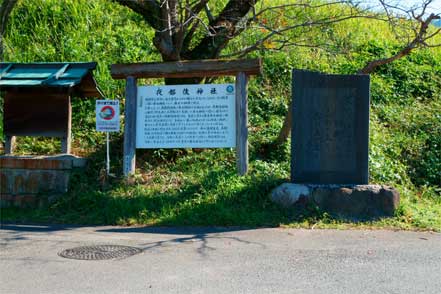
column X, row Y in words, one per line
column 221, row 260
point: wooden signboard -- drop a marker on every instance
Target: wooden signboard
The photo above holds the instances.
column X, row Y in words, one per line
column 241, row 69
column 186, row 116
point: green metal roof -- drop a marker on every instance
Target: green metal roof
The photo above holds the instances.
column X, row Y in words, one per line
column 76, row 75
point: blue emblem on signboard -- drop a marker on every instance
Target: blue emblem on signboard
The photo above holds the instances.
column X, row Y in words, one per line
column 230, row 89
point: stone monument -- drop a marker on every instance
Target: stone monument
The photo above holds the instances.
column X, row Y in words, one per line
column 330, row 131
column 329, row 148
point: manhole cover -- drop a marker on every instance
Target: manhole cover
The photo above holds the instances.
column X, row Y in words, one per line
column 99, row 252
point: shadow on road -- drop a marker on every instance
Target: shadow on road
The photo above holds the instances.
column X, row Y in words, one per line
column 200, row 235
column 36, row 228
column 192, row 235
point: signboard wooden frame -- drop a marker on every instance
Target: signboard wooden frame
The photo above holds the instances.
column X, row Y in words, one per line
column 241, row 69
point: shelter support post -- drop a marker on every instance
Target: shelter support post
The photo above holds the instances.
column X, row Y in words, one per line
column 67, row 138
column 9, row 144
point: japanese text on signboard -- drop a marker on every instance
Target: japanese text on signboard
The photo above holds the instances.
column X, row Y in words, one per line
column 186, row 116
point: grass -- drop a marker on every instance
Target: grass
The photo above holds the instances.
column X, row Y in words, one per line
column 203, row 189
column 185, row 187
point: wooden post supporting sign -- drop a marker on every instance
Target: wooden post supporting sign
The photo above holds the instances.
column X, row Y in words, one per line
column 130, row 127
column 242, row 123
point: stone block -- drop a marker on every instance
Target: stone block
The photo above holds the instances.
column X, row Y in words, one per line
column 16, row 162
column 388, row 200
column 6, row 200
column 32, row 183
column 28, row 181
column 5, row 187
column 47, row 182
column 288, row 194
column 357, row 201
column 62, row 182
column 19, row 184
column 26, row 201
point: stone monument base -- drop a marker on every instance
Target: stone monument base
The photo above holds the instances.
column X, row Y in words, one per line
column 353, row 201
column 29, row 181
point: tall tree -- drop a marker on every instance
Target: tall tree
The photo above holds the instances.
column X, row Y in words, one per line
column 5, row 10
column 411, row 27
column 177, row 24
column 191, row 29
column 201, row 29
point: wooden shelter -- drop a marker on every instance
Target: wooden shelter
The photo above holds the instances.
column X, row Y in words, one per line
column 37, row 100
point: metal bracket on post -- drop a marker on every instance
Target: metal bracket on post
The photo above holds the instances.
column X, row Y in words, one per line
column 242, row 123
column 130, row 127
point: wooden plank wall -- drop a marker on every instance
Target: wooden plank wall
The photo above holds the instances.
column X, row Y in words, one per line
column 33, row 113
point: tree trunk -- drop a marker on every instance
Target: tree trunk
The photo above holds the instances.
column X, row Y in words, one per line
column 5, row 11
column 286, row 128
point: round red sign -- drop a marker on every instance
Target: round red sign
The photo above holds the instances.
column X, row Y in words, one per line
column 107, row 112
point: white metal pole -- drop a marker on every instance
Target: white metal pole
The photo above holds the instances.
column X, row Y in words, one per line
column 108, row 156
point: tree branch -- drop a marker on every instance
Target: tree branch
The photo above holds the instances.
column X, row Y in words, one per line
column 418, row 41
column 223, row 27
column 5, row 10
column 149, row 9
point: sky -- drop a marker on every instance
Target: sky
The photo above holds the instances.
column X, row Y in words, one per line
column 435, row 6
